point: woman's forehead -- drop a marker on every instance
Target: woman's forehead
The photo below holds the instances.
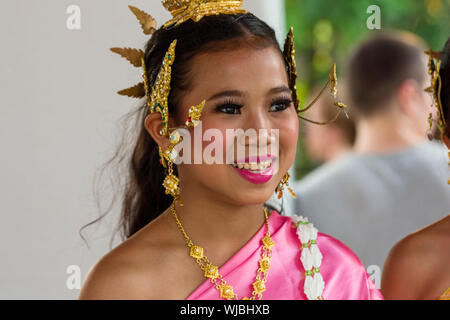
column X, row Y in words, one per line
column 237, row 65
column 240, row 67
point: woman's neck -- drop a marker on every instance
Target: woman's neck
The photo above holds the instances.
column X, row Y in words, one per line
column 216, row 225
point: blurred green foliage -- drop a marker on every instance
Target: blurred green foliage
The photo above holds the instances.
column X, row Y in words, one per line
column 327, row 31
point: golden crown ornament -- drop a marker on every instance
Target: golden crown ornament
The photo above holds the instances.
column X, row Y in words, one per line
column 157, row 98
column 289, row 57
column 434, row 68
column 183, row 10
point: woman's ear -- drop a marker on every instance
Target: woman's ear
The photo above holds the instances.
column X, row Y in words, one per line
column 153, row 124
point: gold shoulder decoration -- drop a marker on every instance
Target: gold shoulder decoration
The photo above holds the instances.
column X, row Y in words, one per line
column 183, row 10
column 289, row 56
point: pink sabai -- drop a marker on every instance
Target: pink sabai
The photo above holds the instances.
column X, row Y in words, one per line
column 344, row 275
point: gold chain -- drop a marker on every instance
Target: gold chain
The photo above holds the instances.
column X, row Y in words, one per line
column 212, row 272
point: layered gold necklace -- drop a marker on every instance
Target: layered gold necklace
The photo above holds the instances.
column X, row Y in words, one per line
column 212, row 272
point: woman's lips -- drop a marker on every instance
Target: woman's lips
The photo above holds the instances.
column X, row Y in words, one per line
column 257, row 177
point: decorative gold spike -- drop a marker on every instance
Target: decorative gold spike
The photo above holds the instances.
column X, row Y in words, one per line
column 434, row 54
column 134, row 56
column 333, row 80
column 147, row 22
column 183, row 10
column 429, row 90
column 136, row 91
column 195, row 113
column 332, row 83
column 289, row 56
column 435, row 88
column 157, row 101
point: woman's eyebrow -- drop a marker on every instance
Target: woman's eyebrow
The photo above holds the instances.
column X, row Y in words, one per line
column 227, row 93
column 279, row 89
column 238, row 93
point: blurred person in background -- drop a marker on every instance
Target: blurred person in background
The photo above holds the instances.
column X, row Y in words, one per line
column 326, row 143
column 418, row 265
column 391, row 183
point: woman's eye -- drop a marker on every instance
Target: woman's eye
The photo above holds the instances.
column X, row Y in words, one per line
column 229, row 109
column 280, row 105
column 276, row 106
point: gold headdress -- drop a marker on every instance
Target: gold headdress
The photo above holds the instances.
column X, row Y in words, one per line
column 157, row 96
column 183, row 10
column 289, row 56
column 434, row 67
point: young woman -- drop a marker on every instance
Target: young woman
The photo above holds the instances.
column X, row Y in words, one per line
column 223, row 242
column 418, row 265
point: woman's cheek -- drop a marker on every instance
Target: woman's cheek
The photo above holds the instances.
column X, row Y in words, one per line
column 289, row 139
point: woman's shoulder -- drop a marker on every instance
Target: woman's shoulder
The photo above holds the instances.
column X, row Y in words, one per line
column 419, row 253
column 119, row 274
column 134, row 269
column 425, row 245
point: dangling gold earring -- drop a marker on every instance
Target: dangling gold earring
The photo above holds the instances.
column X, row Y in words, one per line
column 171, row 182
column 285, row 183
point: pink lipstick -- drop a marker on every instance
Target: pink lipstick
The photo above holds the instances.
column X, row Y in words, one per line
column 256, row 169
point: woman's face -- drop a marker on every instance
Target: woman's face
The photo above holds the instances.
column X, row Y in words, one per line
column 244, row 89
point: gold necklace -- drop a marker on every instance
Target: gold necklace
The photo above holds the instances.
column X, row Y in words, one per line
column 212, row 272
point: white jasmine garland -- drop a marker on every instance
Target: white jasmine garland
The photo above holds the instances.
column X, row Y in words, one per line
column 311, row 258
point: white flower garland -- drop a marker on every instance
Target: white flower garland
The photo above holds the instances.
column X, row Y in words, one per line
column 311, row 258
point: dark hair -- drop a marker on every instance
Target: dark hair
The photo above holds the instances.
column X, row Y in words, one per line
column 379, row 66
column 144, row 197
column 445, row 90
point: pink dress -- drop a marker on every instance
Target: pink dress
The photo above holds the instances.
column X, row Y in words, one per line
column 343, row 273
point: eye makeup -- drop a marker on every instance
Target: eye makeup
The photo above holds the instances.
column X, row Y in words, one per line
column 235, row 107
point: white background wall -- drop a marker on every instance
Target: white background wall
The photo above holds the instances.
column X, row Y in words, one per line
column 58, row 113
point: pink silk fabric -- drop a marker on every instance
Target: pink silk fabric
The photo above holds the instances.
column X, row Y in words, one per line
column 344, row 275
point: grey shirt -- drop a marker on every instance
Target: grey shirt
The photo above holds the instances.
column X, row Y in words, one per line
column 370, row 202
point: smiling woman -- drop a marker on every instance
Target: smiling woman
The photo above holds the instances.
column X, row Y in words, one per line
column 203, row 231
